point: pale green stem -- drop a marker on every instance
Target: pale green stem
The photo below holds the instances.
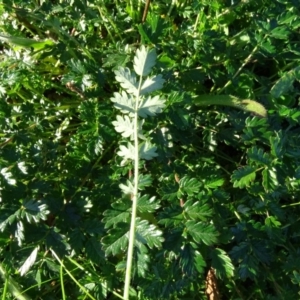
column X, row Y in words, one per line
column 134, row 199
column 12, row 285
column 72, row 277
column 197, row 21
column 62, row 285
column 174, row 2
column 104, row 285
column 5, row 289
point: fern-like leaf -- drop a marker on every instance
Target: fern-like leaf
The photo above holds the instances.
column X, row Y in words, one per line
column 116, row 241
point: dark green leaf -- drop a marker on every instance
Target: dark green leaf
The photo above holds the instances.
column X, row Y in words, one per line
column 201, row 232
column 257, row 155
column 188, row 186
column 93, row 250
column 146, row 204
column 198, row 210
column 116, row 241
column 244, row 176
column 148, row 234
column 221, row 263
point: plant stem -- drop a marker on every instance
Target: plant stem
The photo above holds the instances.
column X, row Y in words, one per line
column 72, row 277
column 61, row 275
column 134, row 199
column 12, row 285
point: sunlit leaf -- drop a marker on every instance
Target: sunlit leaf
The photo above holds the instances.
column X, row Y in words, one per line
column 243, row 176
column 147, row 151
column 152, row 84
column 198, row 210
column 150, row 106
column 124, row 125
column 128, row 188
column 144, row 181
column 123, row 102
column 127, row 80
column 29, row 262
column 144, row 61
column 116, row 241
column 285, row 83
column 188, row 186
column 269, row 179
column 119, row 213
column 148, row 234
column 126, row 152
column 259, row 156
column 147, row 205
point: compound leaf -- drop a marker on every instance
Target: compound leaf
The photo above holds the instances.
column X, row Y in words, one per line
column 93, row 250
column 270, row 181
column 126, row 152
column 188, row 186
column 285, row 83
column 197, row 210
column 144, row 181
column 120, row 213
column 191, row 260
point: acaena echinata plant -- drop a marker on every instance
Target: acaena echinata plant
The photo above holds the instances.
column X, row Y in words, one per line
column 135, row 104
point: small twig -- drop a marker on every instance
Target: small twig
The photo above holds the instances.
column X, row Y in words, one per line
column 74, row 89
column 146, row 9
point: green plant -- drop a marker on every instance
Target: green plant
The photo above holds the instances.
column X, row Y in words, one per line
column 135, row 103
column 219, row 209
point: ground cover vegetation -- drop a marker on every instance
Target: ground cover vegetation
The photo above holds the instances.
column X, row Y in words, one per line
column 149, row 150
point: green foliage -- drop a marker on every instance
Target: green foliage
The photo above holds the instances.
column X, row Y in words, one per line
column 218, row 178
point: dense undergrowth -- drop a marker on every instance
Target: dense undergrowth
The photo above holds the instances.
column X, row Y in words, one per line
column 218, row 203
